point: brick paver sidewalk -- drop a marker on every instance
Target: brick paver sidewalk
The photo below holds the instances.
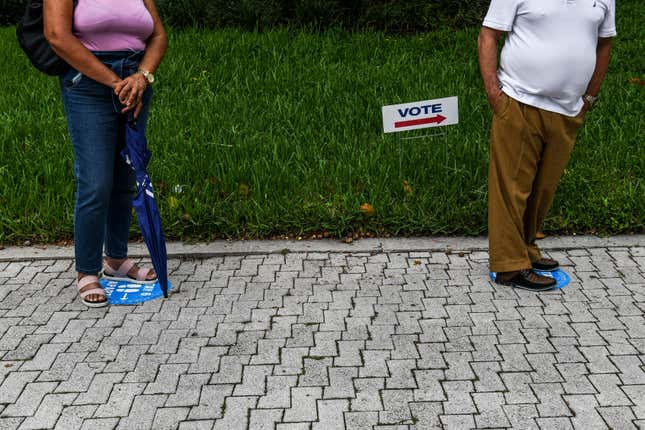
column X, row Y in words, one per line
column 329, row 340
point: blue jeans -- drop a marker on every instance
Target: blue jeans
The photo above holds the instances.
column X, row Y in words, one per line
column 104, row 182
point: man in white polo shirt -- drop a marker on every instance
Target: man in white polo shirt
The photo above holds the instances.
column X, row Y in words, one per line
column 553, row 62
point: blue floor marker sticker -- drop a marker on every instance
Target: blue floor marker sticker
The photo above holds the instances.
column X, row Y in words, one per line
column 130, row 293
column 560, row 276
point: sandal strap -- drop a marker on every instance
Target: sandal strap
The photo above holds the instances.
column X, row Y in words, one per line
column 123, row 269
column 142, row 274
column 97, row 291
column 87, row 280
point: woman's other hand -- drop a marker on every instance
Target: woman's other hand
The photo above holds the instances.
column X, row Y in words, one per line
column 137, row 109
column 130, row 92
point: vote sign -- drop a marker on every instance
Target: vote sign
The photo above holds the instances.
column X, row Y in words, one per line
column 424, row 114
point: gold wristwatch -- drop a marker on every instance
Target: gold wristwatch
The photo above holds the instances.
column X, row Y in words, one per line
column 149, row 76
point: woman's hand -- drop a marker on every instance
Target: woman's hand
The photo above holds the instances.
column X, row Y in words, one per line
column 130, row 92
column 137, row 109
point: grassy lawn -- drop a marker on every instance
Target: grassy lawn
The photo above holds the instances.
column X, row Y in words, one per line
column 262, row 134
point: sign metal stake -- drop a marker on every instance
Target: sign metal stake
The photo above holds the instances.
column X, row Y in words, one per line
column 402, row 139
column 420, row 115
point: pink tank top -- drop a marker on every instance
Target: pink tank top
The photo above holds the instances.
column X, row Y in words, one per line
column 112, row 25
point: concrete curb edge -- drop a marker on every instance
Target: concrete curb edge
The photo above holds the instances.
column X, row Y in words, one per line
column 259, row 247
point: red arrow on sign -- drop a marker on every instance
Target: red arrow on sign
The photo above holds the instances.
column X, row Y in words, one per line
column 435, row 119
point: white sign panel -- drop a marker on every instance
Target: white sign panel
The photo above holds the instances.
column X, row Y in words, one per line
column 413, row 116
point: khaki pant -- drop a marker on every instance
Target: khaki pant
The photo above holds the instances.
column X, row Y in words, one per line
column 529, row 149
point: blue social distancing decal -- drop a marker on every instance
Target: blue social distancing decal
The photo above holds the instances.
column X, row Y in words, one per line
column 561, row 277
column 130, row 293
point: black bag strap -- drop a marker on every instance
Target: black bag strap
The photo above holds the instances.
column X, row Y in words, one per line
column 31, row 37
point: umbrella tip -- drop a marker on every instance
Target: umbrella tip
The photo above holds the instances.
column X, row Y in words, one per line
column 165, row 290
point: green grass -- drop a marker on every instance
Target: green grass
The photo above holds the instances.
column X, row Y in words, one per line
column 281, row 132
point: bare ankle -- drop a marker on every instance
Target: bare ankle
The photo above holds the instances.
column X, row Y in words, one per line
column 114, row 262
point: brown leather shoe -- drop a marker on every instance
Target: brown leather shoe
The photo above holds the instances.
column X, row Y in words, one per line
column 546, row 265
column 525, row 279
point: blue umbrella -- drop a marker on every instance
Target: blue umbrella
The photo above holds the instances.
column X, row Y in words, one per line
column 137, row 155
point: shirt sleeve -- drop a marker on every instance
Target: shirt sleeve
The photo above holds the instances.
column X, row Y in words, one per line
column 501, row 14
column 608, row 25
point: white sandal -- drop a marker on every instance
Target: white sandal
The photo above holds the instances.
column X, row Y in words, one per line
column 121, row 274
column 84, row 282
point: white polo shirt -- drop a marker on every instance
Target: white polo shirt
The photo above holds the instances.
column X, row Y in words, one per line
column 549, row 54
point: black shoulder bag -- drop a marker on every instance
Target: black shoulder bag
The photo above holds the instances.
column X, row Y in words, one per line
column 32, row 40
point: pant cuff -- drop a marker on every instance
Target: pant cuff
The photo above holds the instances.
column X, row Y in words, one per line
column 510, row 265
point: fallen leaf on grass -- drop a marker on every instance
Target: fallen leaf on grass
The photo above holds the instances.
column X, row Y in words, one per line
column 407, row 189
column 367, row 209
column 637, row 81
column 243, row 190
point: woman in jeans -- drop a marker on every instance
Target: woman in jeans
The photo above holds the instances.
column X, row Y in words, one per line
column 113, row 48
